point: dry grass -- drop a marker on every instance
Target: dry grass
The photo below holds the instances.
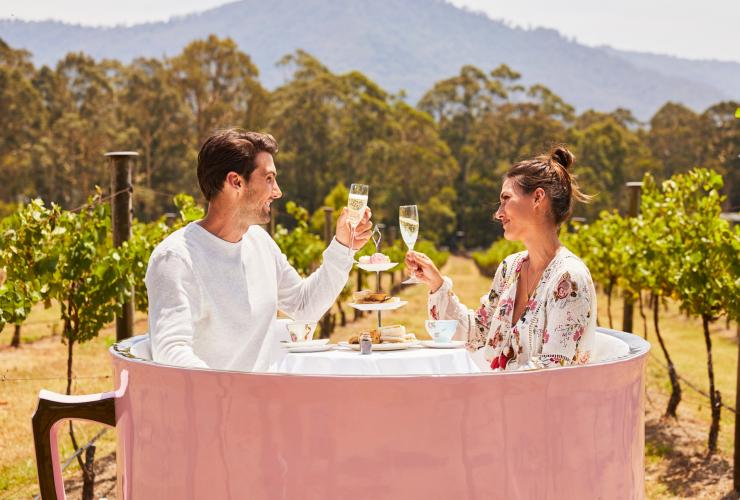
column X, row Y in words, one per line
column 684, row 340
column 42, row 323
column 676, row 463
column 42, row 365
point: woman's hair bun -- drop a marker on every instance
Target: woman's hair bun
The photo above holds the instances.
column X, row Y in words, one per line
column 563, row 156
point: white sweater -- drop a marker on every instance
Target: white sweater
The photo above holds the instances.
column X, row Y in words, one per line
column 213, row 304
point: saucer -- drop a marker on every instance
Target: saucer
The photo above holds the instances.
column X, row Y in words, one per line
column 443, row 345
column 388, row 346
column 307, row 343
column 382, row 306
column 311, row 348
column 375, row 268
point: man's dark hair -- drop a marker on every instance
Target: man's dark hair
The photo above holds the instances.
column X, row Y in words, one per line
column 230, row 150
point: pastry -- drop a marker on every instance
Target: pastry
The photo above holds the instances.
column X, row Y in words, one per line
column 374, row 337
column 379, row 258
column 370, row 297
column 376, row 258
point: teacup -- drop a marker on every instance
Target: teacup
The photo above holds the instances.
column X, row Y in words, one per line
column 301, row 331
column 441, row 330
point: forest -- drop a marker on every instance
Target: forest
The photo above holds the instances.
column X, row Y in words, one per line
column 446, row 153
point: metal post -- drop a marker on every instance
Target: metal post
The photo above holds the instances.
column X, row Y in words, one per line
column 392, row 235
column 357, row 313
column 121, row 163
column 377, row 242
column 628, row 311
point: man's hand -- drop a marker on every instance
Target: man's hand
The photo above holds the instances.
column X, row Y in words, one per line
column 363, row 231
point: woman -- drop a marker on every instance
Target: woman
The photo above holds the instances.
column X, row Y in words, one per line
column 541, row 308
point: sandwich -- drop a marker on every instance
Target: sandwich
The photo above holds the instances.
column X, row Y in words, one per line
column 393, row 333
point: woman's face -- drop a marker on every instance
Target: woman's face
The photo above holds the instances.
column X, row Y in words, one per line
column 518, row 211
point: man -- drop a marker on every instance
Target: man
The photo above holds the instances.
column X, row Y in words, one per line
column 215, row 286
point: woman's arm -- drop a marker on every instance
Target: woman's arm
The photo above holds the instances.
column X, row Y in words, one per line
column 472, row 326
column 568, row 321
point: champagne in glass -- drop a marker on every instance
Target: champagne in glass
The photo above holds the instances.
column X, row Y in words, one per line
column 408, row 220
column 356, row 207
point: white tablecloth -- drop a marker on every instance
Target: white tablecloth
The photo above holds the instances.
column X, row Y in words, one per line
column 412, row 361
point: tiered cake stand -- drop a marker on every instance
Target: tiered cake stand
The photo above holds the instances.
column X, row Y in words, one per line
column 384, row 306
column 377, row 269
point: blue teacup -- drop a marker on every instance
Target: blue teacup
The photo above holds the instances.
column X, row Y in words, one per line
column 441, row 330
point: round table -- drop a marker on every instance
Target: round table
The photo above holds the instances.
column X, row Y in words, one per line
column 411, row 361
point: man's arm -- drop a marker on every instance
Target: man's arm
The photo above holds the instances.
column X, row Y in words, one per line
column 172, row 292
column 308, row 299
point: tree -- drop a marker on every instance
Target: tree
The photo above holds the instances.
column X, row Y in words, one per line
column 677, row 138
column 91, row 282
column 305, row 118
column 336, row 200
column 420, row 161
column 344, row 128
column 153, row 111
column 601, row 245
column 490, row 122
column 219, row 84
column 28, row 258
column 707, row 268
column 23, row 119
column 723, row 145
column 655, row 266
column 608, row 155
column 458, row 105
column 80, row 100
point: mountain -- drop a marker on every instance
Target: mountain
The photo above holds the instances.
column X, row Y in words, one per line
column 403, row 44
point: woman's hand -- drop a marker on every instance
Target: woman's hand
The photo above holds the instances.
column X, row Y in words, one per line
column 424, row 269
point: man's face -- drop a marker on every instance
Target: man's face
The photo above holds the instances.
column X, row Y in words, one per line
column 262, row 189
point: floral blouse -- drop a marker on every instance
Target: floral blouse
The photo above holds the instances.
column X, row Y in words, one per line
column 557, row 327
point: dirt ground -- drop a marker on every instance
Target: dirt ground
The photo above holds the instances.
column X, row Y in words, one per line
column 677, row 465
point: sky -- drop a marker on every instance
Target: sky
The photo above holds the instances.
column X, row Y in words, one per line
column 703, row 29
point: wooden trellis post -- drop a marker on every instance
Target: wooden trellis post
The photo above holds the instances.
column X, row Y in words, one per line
column 628, row 311
column 122, row 211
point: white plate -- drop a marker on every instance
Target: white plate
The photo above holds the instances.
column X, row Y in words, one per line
column 388, row 346
column 384, row 306
column 443, row 345
column 374, row 268
column 307, row 343
column 311, row 348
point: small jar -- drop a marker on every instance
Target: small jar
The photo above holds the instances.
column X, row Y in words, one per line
column 366, row 343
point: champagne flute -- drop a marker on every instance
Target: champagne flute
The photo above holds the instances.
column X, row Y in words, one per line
column 356, row 208
column 408, row 220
